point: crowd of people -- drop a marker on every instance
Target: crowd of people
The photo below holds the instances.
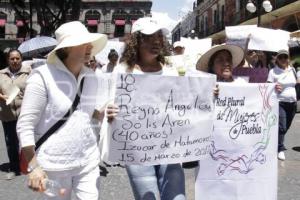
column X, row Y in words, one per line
column 61, row 100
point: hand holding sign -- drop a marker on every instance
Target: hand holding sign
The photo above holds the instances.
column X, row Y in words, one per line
column 161, row 119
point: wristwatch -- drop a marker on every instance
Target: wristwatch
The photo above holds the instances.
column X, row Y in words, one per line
column 30, row 168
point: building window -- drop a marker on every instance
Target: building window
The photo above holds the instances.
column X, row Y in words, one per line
column 222, row 16
column 119, row 28
column 93, row 29
column 237, row 5
column 135, row 14
column 92, row 19
column 3, row 18
column 215, row 17
column 206, row 25
column 2, row 31
column 22, row 32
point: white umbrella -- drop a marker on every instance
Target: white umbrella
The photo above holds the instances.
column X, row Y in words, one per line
column 37, row 45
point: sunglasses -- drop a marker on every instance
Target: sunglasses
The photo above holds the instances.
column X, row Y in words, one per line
column 283, row 56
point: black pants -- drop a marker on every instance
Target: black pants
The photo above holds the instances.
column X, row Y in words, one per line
column 287, row 112
column 12, row 145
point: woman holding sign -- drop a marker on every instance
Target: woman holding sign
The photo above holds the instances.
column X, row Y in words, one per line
column 285, row 78
column 144, row 54
column 220, row 60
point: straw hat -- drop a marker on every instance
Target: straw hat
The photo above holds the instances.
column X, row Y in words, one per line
column 236, row 52
column 148, row 26
column 73, row 34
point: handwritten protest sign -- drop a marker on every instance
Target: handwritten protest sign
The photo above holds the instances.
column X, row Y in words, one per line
column 238, row 35
column 162, row 119
column 243, row 162
column 265, row 39
column 196, row 46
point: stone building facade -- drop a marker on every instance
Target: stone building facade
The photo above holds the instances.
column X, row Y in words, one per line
column 213, row 15
column 113, row 17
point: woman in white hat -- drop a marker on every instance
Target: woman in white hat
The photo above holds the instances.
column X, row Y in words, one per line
column 144, row 54
column 285, row 78
column 70, row 155
column 220, row 60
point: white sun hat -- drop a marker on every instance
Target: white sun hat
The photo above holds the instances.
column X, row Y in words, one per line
column 73, row 34
column 148, row 26
column 237, row 54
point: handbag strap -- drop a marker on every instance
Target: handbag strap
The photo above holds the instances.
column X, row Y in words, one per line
column 60, row 122
column 294, row 72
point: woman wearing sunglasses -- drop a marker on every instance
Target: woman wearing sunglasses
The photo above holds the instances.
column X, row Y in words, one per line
column 285, row 78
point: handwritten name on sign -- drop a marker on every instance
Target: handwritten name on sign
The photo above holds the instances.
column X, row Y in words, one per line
column 244, row 145
column 162, row 119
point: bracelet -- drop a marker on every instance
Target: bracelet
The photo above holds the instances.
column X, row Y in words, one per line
column 30, row 168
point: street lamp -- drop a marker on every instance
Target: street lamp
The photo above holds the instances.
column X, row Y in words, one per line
column 192, row 34
column 251, row 7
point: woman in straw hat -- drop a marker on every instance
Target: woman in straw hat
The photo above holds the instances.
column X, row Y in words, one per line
column 220, row 60
column 70, row 155
column 144, row 54
column 285, row 78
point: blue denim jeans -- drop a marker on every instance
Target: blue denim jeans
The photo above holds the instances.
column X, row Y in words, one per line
column 287, row 112
column 150, row 182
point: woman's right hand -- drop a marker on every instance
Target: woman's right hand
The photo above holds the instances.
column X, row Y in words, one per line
column 36, row 179
column 278, row 87
column 112, row 111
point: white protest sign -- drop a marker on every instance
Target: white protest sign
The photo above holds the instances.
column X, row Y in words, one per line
column 243, row 161
column 196, row 46
column 116, row 45
column 265, row 39
column 162, row 119
column 238, row 35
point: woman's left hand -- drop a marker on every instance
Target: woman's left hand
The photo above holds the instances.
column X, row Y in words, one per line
column 112, row 111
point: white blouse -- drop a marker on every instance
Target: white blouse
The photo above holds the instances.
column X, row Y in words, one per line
column 49, row 94
column 287, row 79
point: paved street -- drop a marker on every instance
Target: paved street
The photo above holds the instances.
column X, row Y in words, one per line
column 116, row 187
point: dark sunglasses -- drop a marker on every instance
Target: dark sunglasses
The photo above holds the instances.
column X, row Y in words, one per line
column 283, row 56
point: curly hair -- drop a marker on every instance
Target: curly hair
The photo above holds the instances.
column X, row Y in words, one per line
column 131, row 52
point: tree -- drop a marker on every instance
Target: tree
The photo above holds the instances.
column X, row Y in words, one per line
column 50, row 13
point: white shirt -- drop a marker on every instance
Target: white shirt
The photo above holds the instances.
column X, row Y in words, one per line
column 167, row 71
column 288, row 81
column 49, row 94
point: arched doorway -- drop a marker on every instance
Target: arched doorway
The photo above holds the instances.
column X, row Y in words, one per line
column 119, row 18
column 21, row 23
column 3, row 19
column 92, row 19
